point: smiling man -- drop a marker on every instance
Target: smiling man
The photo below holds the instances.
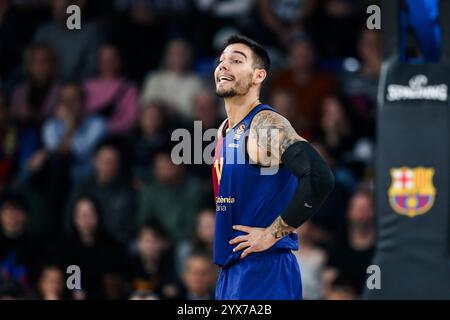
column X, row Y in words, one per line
column 267, row 182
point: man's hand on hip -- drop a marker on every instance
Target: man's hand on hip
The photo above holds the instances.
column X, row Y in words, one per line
column 256, row 240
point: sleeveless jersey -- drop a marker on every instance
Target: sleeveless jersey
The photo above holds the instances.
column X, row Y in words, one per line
column 245, row 194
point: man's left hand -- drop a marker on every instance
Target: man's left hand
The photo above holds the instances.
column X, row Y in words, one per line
column 256, row 240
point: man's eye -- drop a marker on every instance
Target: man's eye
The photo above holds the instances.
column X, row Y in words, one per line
column 237, row 61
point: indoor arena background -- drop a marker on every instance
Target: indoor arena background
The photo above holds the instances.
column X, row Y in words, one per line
column 105, row 195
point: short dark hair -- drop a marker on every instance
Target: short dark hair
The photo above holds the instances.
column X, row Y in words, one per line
column 260, row 55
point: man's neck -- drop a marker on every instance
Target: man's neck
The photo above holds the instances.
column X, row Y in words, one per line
column 238, row 107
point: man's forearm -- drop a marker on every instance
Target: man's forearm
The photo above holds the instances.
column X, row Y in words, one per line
column 315, row 183
column 279, row 229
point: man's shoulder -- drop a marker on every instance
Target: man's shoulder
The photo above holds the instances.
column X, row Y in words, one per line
column 269, row 117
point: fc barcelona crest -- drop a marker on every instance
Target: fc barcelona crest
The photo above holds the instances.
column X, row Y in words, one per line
column 412, row 191
column 239, row 132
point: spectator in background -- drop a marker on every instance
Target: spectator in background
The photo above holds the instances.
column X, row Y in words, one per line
column 71, row 135
column 354, row 256
column 151, row 134
column 308, row 84
column 36, row 98
column 18, row 252
column 213, row 17
column 76, row 49
column 18, row 161
column 115, row 196
column 90, row 247
column 51, row 284
column 172, row 198
column 330, row 221
column 206, row 110
column 284, row 102
column 152, row 266
column 341, row 289
column 131, row 26
column 336, row 126
column 311, row 259
column 333, row 26
column 9, row 145
column 110, row 95
column 18, row 145
column 362, row 85
column 202, row 241
column 283, row 19
column 204, row 232
column 198, row 277
column 175, row 84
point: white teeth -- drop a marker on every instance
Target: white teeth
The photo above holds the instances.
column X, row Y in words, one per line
column 225, row 78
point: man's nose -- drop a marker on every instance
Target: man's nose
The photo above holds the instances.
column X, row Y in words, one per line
column 223, row 66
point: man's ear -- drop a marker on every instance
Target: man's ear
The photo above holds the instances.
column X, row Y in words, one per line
column 259, row 76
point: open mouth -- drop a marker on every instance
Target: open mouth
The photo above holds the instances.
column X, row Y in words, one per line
column 224, row 78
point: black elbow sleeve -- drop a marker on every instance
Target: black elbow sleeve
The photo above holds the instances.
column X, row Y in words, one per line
column 315, row 182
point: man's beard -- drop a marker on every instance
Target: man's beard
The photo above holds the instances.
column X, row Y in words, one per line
column 240, row 88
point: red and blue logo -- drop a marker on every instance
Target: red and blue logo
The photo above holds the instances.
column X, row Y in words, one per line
column 412, row 191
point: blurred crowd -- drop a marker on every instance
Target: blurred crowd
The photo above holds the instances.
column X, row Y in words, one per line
column 86, row 118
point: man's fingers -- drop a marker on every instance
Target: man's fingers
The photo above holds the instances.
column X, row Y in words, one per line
column 246, row 252
column 242, row 228
column 241, row 246
column 239, row 239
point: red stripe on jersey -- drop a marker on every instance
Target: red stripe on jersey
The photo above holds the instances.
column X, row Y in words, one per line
column 217, row 166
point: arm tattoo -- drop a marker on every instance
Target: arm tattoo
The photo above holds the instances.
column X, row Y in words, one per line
column 279, row 228
column 272, row 134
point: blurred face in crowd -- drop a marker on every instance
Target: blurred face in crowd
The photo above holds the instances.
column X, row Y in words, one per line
column 205, row 226
column 108, row 61
column 150, row 245
column 361, row 210
column 106, row 164
column 236, row 74
column 342, row 293
column 333, row 114
column 13, row 220
column 301, row 56
column 198, row 275
column 71, row 106
column 40, row 64
column 151, row 119
column 165, row 171
column 338, row 8
column 206, row 109
column 85, row 217
column 51, row 283
column 284, row 102
column 178, row 56
column 369, row 47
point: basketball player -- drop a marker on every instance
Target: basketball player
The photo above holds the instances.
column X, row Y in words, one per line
column 257, row 211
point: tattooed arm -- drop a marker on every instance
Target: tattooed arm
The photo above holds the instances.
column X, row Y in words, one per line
column 272, row 141
column 269, row 137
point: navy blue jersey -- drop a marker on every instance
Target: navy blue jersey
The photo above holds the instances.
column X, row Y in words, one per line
column 246, row 196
